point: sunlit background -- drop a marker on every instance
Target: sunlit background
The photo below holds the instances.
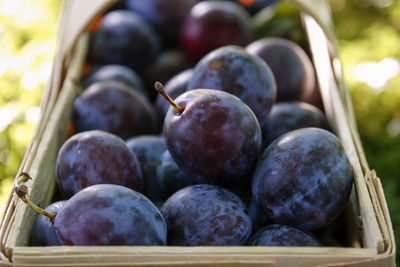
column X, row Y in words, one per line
column 27, row 44
column 369, row 37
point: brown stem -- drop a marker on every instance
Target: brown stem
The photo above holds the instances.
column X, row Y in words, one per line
column 22, row 192
column 160, row 89
column 23, row 178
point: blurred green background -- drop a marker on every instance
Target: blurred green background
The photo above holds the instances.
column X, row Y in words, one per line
column 369, row 38
column 28, row 31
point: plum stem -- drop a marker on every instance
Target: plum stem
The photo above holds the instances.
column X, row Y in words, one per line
column 160, row 89
column 22, row 191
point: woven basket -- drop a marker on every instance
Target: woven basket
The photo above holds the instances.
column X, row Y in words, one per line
column 367, row 219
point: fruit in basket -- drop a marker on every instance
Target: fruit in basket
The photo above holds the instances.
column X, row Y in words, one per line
column 167, row 64
column 283, row 235
column 288, row 116
column 212, row 135
column 107, row 214
column 211, row 24
column 96, row 157
column 43, row 232
column 170, row 178
column 258, row 216
column 166, row 16
column 115, row 72
column 113, row 107
column 233, row 70
column 293, row 70
column 124, row 37
column 148, row 150
column 206, row 215
column 303, row 179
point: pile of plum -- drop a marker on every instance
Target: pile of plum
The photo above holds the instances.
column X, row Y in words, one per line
column 232, row 151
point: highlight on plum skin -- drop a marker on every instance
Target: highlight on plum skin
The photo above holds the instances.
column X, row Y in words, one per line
column 107, row 214
column 303, row 179
column 96, row 157
column 206, row 215
column 283, row 235
column 213, row 136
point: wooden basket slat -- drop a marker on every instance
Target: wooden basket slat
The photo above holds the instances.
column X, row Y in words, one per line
column 42, row 168
column 336, row 113
column 47, row 104
column 385, row 211
column 172, row 263
column 379, row 207
column 372, row 181
column 166, row 255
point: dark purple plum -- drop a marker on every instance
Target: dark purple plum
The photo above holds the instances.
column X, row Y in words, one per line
column 259, row 217
column 125, row 38
column 166, row 16
column 116, row 72
column 170, row 178
column 107, row 214
column 216, row 139
column 283, row 235
column 96, row 157
column 206, row 215
column 174, row 87
column 43, row 232
column 293, row 70
column 113, row 107
column 233, row 70
column 288, row 116
column 212, row 24
column 148, row 150
column 303, row 179
column 167, row 64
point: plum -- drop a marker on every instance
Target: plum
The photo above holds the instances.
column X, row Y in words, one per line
column 170, row 178
column 292, row 69
column 233, row 70
column 288, row 116
column 148, row 150
column 215, row 137
column 96, row 157
column 115, row 72
column 283, row 235
column 303, row 179
column 108, row 214
column 43, row 232
column 211, row 24
column 124, row 37
column 206, row 215
column 167, row 64
column 258, row 216
column 166, row 16
column 113, row 107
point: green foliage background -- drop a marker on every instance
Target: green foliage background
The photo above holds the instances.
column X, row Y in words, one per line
column 28, row 31
column 367, row 31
